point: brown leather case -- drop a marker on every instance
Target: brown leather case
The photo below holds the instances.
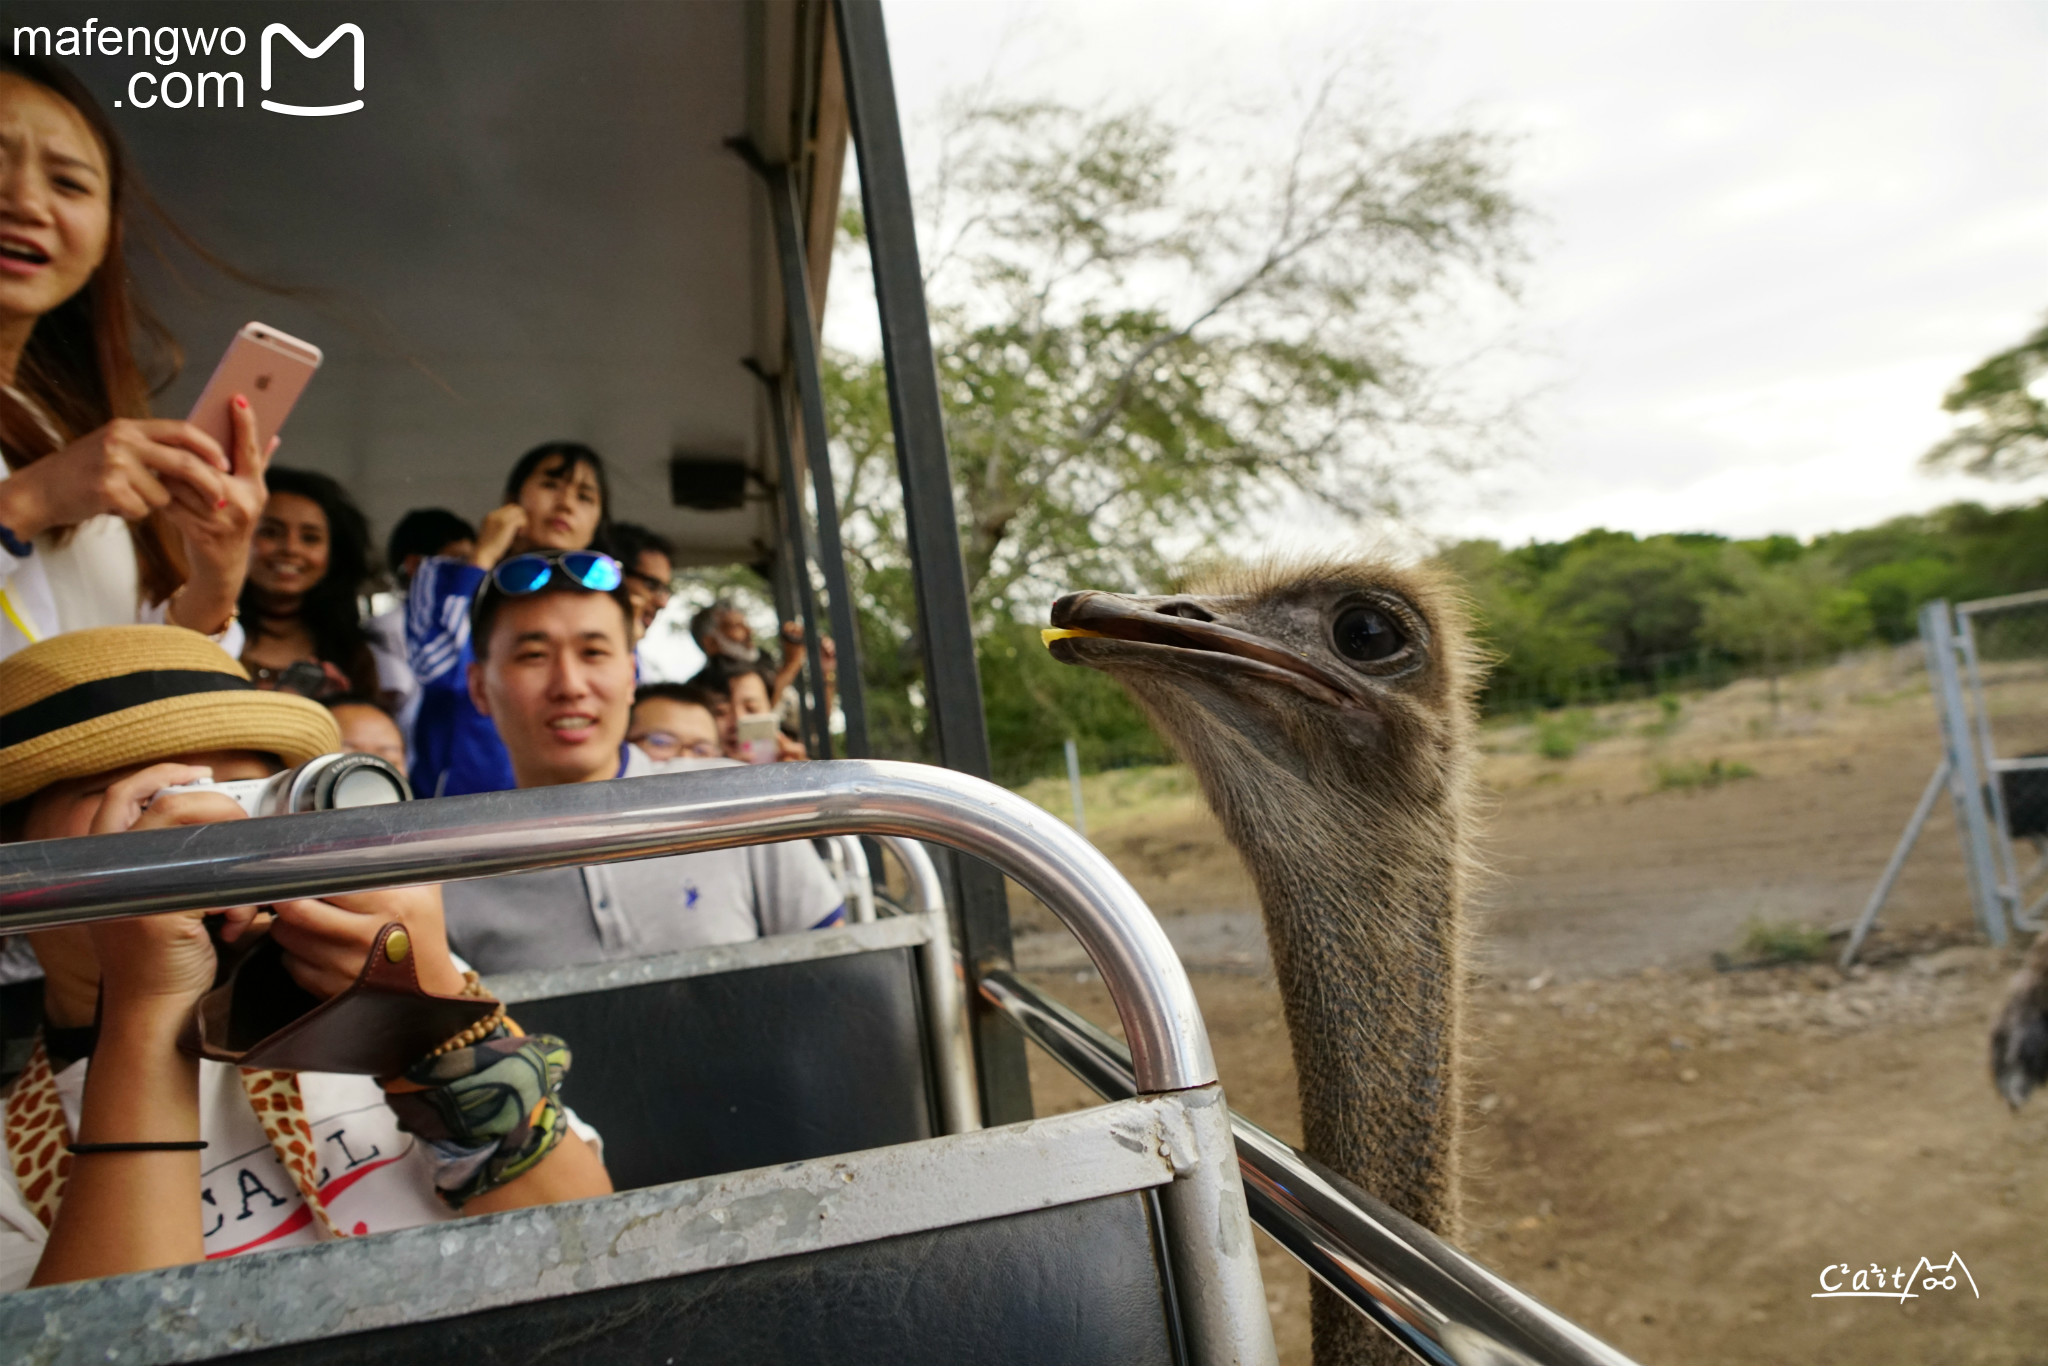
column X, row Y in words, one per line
column 259, row 1017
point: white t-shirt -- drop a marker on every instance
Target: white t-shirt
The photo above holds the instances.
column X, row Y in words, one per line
column 374, row 1177
column 611, row 911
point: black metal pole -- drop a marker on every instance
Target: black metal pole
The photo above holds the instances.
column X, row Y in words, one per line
column 945, row 616
column 804, row 372
column 796, row 559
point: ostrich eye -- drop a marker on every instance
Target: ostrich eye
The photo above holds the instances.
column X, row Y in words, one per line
column 1368, row 635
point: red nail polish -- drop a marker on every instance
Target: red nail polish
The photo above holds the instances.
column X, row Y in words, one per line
column 221, row 504
column 241, row 402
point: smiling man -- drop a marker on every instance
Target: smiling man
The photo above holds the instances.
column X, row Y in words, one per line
column 554, row 672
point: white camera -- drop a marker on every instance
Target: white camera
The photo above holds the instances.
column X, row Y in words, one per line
column 330, row 782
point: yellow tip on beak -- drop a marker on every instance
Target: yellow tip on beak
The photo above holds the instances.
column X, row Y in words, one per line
column 1052, row 633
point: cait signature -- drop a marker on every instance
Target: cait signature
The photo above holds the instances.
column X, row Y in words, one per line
column 1842, row 1282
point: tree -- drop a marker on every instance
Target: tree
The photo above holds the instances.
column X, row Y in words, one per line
column 1143, row 336
column 1774, row 615
column 2003, row 404
column 1538, row 653
column 1641, row 599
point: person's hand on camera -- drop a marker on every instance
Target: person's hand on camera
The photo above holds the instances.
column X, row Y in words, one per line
column 217, row 536
column 326, row 942
column 166, row 961
column 130, row 468
column 502, row 527
column 787, row 749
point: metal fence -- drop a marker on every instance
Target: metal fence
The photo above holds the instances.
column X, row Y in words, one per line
column 1988, row 664
column 1685, row 671
column 2002, row 647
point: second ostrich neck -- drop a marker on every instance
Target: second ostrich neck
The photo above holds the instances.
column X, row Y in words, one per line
column 1363, row 922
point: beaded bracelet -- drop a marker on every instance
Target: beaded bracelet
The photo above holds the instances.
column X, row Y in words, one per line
column 476, row 1033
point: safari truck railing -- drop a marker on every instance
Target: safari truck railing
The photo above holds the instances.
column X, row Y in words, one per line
column 605, row 1273
column 1435, row 1301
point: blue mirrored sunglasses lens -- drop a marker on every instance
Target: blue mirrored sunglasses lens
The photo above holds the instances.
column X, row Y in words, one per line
column 599, row 573
column 522, row 573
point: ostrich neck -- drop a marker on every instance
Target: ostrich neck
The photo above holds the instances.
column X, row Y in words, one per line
column 1363, row 922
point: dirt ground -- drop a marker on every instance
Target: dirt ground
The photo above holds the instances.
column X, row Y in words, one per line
column 1668, row 1153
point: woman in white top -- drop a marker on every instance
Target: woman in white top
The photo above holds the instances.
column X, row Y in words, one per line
column 107, row 515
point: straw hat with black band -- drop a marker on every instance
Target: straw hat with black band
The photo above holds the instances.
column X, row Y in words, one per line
column 92, row 701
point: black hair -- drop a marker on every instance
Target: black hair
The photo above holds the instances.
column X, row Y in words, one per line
column 687, row 694
column 630, row 541
column 562, row 458
column 424, row 531
column 329, row 609
column 490, row 600
column 352, row 699
column 718, row 673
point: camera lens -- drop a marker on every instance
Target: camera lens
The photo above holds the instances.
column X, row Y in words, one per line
column 365, row 786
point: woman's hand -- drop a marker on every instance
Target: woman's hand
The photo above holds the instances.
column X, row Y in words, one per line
column 502, row 527
column 327, row 942
column 131, row 467
column 160, row 965
column 217, row 537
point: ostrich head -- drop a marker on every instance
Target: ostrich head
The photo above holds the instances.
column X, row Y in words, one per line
column 1342, row 683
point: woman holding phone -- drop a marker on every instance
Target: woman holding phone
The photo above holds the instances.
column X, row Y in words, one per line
column 307, row 564
column 556, row 498
column 107, row 515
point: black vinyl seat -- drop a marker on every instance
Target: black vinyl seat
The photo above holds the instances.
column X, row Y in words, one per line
column 699, row 1075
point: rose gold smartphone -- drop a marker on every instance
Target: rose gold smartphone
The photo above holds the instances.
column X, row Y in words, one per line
column 268, row 367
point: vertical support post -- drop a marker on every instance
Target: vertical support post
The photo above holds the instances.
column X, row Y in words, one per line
column 1987, row 750
column 945, row 618
column 810, row 394
column 1966, row 785
column 797, row 556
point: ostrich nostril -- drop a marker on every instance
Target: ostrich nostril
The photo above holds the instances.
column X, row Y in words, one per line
column 1184, row 608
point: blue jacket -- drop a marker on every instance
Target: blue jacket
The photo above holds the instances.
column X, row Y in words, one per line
column 455, row 748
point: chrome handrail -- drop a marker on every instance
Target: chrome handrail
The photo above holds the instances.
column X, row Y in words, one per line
column 1432, row 1299
column 850, row 862
column 945, row 990
column 49, row 883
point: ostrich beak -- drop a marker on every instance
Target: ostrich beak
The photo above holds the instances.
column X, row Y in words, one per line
column 1101, row 629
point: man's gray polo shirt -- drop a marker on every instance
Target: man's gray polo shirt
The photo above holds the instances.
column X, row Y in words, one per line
column 607, row 911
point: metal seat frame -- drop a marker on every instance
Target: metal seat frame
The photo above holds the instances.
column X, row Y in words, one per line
column 1173, row 1141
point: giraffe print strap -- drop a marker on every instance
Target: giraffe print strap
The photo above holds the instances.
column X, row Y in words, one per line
column 37, row 1135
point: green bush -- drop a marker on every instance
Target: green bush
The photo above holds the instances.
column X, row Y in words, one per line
column 1559, row 734
column 1687, row 774
column 1772, row 941
column 1669, row 712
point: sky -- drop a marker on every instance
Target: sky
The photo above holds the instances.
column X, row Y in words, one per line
column 1766, row 237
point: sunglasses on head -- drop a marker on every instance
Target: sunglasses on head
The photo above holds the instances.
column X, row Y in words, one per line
column 529, row 573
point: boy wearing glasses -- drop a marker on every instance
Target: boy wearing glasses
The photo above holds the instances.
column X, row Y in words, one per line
column 552, row 636
column 676, row 721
